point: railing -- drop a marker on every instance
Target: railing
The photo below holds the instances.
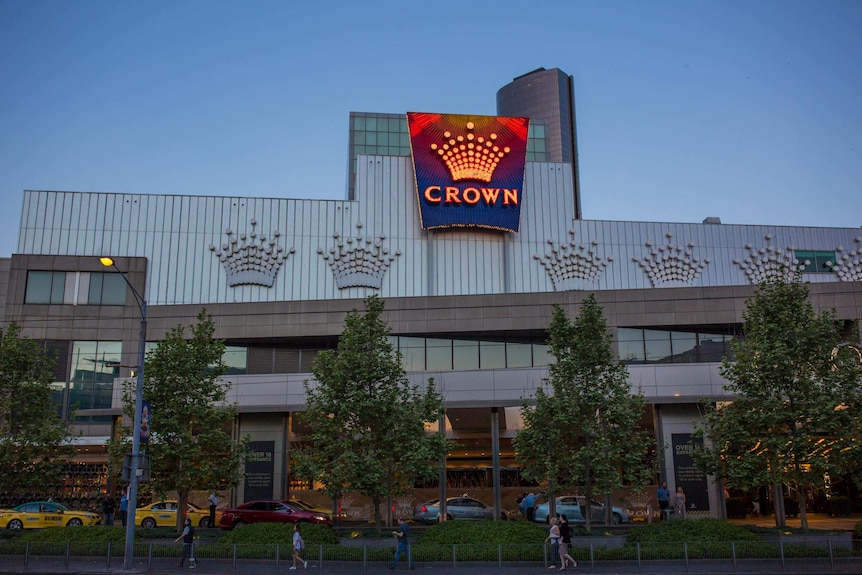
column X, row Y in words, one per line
column 814, row 555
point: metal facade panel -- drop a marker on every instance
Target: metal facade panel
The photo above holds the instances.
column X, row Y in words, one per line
column 175, row 233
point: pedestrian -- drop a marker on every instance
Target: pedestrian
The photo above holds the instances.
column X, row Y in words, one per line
column 530, row 506
column 108, row 508
column 554, row 538
column 124, row 508
column 403, row 543
column 663, row 499
column 188, row 539
column 679, row 502
column 213, row 499
column 298, row 546
column 520, row 502
column 565, row 544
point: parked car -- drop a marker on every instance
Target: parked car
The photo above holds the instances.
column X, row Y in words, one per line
column 572, row 505
column 269, row 511
column 313, row 508
column 456, row 508
column 45, row 514
column 164, row 514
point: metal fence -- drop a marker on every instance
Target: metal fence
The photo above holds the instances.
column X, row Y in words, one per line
column 814, row 554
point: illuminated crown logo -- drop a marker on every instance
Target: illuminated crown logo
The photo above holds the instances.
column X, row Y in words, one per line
column 470, row 157
column 671, row 265
column 362, row 262
column 848, row 266
column 769, row 262
column 572, row 266
column 252, row 262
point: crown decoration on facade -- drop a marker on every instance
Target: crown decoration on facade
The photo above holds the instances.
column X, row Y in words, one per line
column 769, row 262
column 358, row 262
column 572, row 265
column 470, row 157
column 251, row 259
column 671, row 265
column 848, row 265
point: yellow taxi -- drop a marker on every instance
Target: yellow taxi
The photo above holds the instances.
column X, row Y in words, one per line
column 38, row 514
column 164, row 514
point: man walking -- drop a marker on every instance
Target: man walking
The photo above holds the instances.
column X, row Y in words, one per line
column 403, row 543
column 188, row 537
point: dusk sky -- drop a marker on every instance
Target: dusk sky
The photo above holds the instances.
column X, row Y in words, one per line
column 748, row 110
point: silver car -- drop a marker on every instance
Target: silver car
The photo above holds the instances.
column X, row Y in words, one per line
column 574, row 506
column 456, row 508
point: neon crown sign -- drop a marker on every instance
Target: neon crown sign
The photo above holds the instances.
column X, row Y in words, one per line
column 469, row 169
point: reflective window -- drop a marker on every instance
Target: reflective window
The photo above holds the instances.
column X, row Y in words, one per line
column 519, row 355
column 684, row 347
column 95, row 364
column 236, row 359
column 657, row 343
column 632, row 351
column 107, row 289
column 712, row 347
column 438, row 354
column 412, row 353
column 492, row 355
column 815, row 261
column 45, row 287
column 541, row 355
column 465, row 354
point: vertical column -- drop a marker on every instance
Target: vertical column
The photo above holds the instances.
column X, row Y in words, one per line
column 443, row 475
column 495, row 458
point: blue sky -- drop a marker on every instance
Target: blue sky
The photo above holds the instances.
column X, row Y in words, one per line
column 746, row 110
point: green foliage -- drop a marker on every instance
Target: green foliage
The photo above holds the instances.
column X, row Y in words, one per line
column 583, row 431
column 690, row 530
column 363, row 398
column 466, row 532
column 277, row 533
column 94, row 534
column 786, row 424
column 34, row 440
column 190, row 425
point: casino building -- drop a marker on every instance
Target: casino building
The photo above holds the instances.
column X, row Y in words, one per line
column 469, row 251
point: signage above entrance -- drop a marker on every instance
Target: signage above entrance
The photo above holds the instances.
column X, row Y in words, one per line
column 469, row 169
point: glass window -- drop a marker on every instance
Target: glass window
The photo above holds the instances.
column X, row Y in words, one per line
column 412, row 353
column 236, row 359
column 492, row 355
column 519, row 355
column 395, row 124
column 382, row 138
column 632, row 351
column 657, row 344
column 95, row 364
column 358, row 123
column 370, row 138
column 439, row 354
column 371, row 124
column 107, row 289
column 359, row 150
column 465, row 354
column 711, row 347
column 684, row 346
column 815, row 261
column 537, row 130
column 404, row 141
column 45, row 287
column 541, row 355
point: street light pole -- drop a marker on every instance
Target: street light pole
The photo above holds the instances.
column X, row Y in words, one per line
column 129, row 553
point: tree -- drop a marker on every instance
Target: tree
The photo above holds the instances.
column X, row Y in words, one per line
column 367, row 421
column 786, row 424
column 35, row 442
column 583, row 431
column 190, row 445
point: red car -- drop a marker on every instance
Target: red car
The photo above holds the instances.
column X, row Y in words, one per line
column 269, row 511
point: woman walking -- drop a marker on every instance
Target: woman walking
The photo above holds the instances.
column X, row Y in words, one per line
column 554, row 538
column 298, row 546
column 679, row 502
column 565, row 543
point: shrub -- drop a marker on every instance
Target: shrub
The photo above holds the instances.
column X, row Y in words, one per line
column 691, row 530
column 478, row 532
column 277, row 534
column 93, row 534
column 857, row 530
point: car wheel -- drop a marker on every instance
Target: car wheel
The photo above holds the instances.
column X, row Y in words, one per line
column 617, row 519
column 74, row 522
column 16, row 524
column 239, row 523
column 205, row 523
column 148, row 523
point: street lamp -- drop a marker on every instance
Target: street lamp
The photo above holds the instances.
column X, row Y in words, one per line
column 129, row 554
